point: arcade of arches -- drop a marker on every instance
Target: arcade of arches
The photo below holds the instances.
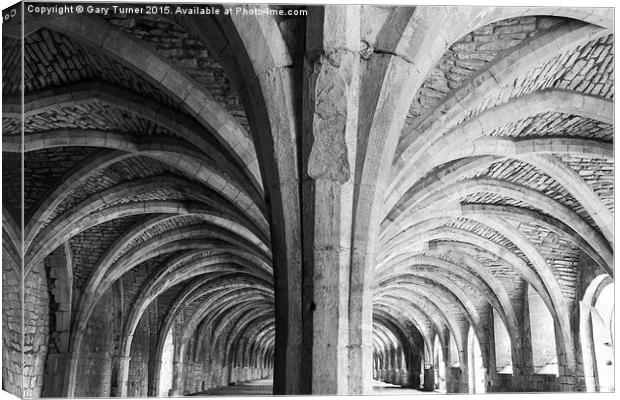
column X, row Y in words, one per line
column 416, row 195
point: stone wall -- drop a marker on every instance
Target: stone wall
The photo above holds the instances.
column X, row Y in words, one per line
column 195, row 378
column 59, row 270
column 137, row 383
column 454, row 380
column 165, row 370
column 72, row 62
column 503, row 352
column 11, row 181
column 471, row 53
column 101, row 340
column 36, row 330
column 535, row 383
column 154, row 84
column 188, row 52
column 206, row 370
column 198, row 369
column 11, row 324
column 44, row 169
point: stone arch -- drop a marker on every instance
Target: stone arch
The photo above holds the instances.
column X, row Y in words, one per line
column 117, row 97
column 451, row 143
column 382, row 306
column 167, row 150
column 411, row 288
column 457, row 272
column 578, row 188
column 149, row 292
column 194, row 269
column 306, row 212
column 466, row 306
column 531, row 151
column 473, row 370
column 586, row 332
column 490, row 81
column 408, row 359
column 55, row 236
column 419, row 309
column 189, row 294
column 257, row 59
column 145, row 60
column 561, row 214
column 201, row 313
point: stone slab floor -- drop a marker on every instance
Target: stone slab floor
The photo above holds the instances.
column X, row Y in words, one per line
column 263, row 387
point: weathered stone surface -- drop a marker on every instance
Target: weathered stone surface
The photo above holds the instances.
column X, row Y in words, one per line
column 470, row 54
column 185, row 50
column 44, row 169
column 53, row 59
column 12, row 327
column 329, row 157
column 215, row 200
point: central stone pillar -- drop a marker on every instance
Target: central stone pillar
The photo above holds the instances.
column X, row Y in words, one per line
column 154, row 375
column 55, row 379
column 330, row 111
column 429, row 378
column 123, row 375
column 177, row 379
column 521, row 368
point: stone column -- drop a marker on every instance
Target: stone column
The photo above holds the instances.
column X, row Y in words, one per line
column 577, row 376
column 155, row 367
column 60, row 280
column 429, row 379
column 329, row 140
column 123, row 375
column 391, row 378
column 411, row 376
column 469, row 362
column 255, row 49
column 154, row 360
column 570, row 371
column 496, row 380
column 526, row 350
column 399, row 370
column 56, row 376
column 177, row 379
column 587, row 342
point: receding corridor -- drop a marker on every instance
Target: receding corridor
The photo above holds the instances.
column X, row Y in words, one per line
column 315, row 199
column 263, row 387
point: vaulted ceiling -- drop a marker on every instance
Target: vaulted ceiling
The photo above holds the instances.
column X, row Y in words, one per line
column 140, row 161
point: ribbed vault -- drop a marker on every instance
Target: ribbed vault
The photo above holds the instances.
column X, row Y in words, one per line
column 210, row 200
column 486, row 184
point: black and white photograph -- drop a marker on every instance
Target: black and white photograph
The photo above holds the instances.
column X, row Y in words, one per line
column 225, row 199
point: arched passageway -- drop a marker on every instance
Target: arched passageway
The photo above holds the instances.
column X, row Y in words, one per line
column 475, row 367
column 320, row 199
column 597, row 334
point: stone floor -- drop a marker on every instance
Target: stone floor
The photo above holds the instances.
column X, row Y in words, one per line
column 166, row 174
column 382, row 388
column 260, row 387
column 263, row 388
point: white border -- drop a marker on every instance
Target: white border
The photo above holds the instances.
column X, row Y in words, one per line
column 560, row 3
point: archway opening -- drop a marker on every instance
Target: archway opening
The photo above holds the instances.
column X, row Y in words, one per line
column 503, row 351
column 602, row 332
column 475, row 367
column 439, row 366
column 542, row 333
column 453, row 357
column 165, row 372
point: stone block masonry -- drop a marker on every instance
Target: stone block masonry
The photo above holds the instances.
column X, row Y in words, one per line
column 323, row 196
